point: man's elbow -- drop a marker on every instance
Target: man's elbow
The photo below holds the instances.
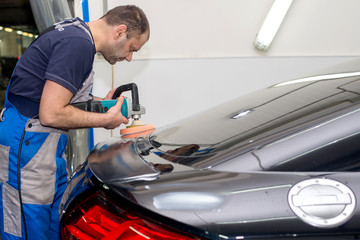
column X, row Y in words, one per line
column 48, row 120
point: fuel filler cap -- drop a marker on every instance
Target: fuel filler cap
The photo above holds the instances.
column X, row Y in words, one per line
column 321, row 202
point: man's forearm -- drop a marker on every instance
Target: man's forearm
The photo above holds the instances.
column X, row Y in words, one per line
column 55, row 111
column 71, row 117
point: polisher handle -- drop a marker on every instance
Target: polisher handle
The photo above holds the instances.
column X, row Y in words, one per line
column 134, row 94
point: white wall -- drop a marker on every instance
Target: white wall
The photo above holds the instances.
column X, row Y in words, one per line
column 227, row 28
column 201, row 52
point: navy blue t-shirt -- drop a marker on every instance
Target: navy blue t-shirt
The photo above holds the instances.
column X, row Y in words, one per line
column 64, row 55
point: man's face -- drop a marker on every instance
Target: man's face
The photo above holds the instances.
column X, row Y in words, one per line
column 123, row 48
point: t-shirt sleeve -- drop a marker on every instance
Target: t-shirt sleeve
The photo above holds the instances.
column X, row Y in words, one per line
column 70, row 63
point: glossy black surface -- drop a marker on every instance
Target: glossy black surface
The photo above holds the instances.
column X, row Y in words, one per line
column 282, row 123
column 237, row 204
column 231, row 177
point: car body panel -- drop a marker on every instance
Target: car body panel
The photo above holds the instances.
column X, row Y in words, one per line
column 237, row 204
column 284, row 122
column 281, row 162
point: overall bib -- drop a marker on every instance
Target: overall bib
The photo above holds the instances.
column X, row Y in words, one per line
column 33, row 173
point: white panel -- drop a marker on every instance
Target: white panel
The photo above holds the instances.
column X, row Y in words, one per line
column 102, row 85
column 95, row 9
column 321, row 27
column 102, row 78
column 218, row 28
column 199, row 28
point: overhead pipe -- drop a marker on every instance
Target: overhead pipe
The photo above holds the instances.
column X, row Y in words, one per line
column 48, row 12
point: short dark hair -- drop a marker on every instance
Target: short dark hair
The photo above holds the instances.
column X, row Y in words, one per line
column 132, row 16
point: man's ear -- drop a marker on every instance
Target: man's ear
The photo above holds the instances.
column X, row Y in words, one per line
column 119, row 30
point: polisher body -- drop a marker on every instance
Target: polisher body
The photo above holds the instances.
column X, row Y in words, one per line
column 104, row 105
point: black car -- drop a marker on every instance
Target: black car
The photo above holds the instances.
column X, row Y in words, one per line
column 281, row 163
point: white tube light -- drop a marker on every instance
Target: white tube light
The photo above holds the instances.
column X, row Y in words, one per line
column 271, row 24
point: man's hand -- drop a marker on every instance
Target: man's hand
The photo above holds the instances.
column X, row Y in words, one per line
column 115, row 113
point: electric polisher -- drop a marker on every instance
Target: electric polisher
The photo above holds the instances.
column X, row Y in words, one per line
column 128, row 109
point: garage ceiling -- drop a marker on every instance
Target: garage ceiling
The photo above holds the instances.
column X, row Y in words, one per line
column 16, row 13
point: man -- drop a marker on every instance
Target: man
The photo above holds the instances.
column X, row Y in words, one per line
column 56, row 70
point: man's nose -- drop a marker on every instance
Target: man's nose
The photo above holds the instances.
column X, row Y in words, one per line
column 129, row 57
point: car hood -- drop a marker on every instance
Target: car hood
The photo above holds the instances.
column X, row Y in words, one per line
column 245, row 126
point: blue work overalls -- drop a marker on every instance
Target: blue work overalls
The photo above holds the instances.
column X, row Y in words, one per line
column 42, row 170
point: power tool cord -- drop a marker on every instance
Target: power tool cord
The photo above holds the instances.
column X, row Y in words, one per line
column 19, row 182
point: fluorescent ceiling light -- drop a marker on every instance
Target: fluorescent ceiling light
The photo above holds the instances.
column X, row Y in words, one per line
column 8, row 29
column 272, row 23
column 319, row 78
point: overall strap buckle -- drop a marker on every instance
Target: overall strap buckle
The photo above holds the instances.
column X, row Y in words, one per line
column 1, row 115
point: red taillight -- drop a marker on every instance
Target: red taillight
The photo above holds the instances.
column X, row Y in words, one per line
column 99, row 221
